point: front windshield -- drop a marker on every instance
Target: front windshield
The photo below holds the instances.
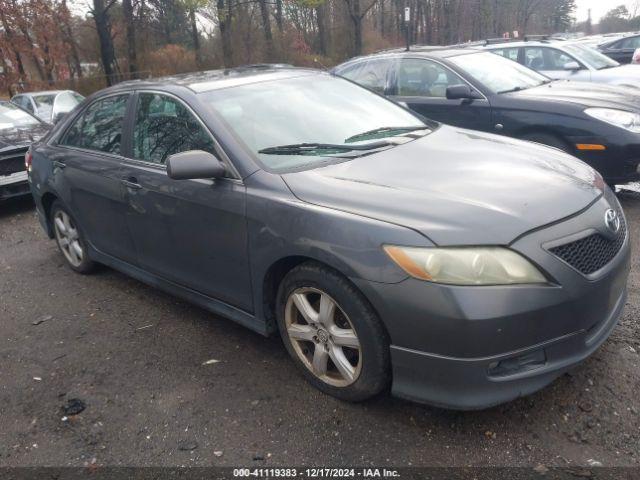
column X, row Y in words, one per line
column 12, row 116
column 497, row 73
column 590, row 56
column 310, row 109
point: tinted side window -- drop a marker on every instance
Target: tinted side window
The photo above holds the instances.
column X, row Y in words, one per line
column 424, row 78
column 100, row 126
column 631, row 42
column 163, row 127
column 371, row 74
column 546, row 58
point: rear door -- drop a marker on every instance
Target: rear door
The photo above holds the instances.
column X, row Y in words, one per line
column 191, row 232
column 422, row 84
column 622, row 50
column 86, row 163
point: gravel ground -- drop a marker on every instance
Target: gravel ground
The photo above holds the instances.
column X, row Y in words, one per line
column 137, row 359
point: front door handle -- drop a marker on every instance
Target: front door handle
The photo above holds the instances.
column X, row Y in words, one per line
column 59, row 164
column 131, row 183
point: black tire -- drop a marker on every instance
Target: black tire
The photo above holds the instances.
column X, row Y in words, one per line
column 548, row 139
column 85, row 264
column 373, row 354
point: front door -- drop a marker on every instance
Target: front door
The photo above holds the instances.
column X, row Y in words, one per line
column 422, row 85
column 87, row 161
column 191, row 232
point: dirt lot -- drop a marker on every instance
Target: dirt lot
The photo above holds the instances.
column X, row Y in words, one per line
column 137, row 359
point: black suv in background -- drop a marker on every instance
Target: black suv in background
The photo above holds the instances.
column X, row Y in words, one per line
column 621, row 49
column 599, row 124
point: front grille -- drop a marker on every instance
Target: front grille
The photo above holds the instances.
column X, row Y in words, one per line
column 590, row 254
column 12, row 163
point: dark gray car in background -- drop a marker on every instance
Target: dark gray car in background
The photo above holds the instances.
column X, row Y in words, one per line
column 461, row 268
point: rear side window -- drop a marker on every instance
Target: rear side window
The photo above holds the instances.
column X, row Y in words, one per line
column 546, row 58
column 510, row 53
column 164, row 126
column 424, row 78
column 631, row 43
column 100, row 126
column 371, row 74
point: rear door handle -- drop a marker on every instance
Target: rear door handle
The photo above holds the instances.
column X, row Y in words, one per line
column 131, row 183
column 59, row 164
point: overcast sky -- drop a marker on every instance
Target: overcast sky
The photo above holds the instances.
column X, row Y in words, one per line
column 599, row 8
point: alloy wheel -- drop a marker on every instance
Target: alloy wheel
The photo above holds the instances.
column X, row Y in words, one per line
column 68, row 238
column 323, row 337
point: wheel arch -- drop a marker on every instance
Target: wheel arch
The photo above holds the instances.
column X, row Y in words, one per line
column 541, row 129
column 47, row 200
column 275, row 274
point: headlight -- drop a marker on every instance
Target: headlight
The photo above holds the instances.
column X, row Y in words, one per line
column 620, row 118
column 466, row 265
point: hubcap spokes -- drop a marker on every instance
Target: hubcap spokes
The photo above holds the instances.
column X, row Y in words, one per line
column 68, row 238
column 323, row 337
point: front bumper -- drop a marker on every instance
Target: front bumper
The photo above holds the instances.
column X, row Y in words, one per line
column 475, row 383
column 475, row 347
column 14, row 185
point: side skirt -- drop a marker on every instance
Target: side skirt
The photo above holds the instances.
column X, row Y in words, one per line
column 211, row 304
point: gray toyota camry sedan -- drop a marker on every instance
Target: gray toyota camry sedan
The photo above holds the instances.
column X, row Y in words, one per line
column 454, row 267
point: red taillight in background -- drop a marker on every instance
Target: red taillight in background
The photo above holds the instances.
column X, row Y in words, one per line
column 27, row 160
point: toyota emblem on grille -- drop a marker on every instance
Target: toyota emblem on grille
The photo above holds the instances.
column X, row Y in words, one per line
column 612, row 220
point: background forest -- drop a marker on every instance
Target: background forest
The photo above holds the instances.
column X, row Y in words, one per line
column 85, row 46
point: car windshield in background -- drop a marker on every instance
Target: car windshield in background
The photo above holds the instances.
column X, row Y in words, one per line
column 497, row 73
column 12, row 116
column 590, row 57
column 302, row 122
column 66, row 101
column 44, row 104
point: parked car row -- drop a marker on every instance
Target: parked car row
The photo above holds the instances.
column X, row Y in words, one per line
column 477, row 89
column 23, row 121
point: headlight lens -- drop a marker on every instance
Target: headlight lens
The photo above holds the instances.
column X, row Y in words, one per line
column 620, row 118
column 466, row 265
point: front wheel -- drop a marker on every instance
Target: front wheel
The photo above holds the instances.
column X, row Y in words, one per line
column 332, row 333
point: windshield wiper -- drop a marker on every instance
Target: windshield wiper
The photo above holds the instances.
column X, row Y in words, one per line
column 384, row 132
column 514, row 89
column 321, row 148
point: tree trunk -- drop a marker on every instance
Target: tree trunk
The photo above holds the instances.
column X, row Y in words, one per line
column 279, row 21
column 132, row 57
column 70, row 40
column 103, row 26
column 224, row 22
column 321, row 19
column 195, row 37
column 266, row 27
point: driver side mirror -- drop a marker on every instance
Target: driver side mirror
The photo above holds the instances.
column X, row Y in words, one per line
column 194, row 164
column 461, row 92
column 572, row 66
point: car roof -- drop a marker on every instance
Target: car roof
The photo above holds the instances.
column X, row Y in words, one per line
column 419, row 51
column 209, row 80
column 43, row 92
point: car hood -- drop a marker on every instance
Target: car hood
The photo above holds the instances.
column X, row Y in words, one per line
column 584, row 94
column 13, row 138
column 622, row 75
column 456, row 187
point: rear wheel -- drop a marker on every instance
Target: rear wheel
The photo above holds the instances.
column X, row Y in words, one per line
column 548, row 139
column 70, row 239
column 332, row 333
